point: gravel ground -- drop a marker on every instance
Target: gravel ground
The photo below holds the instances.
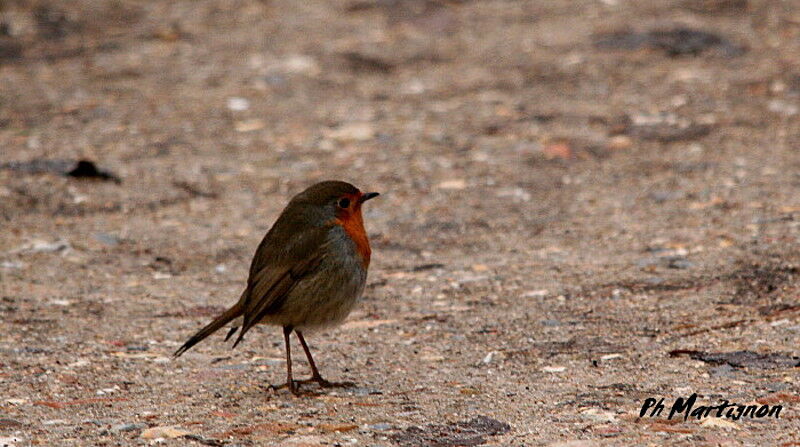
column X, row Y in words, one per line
column 584, row 204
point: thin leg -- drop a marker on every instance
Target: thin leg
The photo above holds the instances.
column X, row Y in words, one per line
column 293, row 387
column 315, row 375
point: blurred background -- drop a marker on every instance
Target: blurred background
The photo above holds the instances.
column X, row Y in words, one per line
column 584, row 204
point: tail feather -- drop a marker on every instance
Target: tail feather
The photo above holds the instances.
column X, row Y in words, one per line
column 212, row 327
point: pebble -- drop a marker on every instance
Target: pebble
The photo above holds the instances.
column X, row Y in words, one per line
column 551, row 323
column 680, row 263
column 595, row 414
column 39, row 246
column 455, row 184
column 108, row 239
column 664, row 196
column 127, row 427
column 517, row 194
column 232, row 367
column 554, row 369
column 559, row 150
column 163, row 432
column 249, row 125
column 620, row 142
column 237, row 104
column 360, row 391
column 380, row 427
column 535, row 293
column 300, row 64
column 54, row 422
column 353, row 132
column 783, row 107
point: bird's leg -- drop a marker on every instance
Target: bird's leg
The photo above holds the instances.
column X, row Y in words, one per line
column 293, row 387
column 315, row 375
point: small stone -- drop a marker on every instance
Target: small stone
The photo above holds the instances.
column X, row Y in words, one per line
column 488, row 358
column 595, row 414
column 554, row 369
column 783, row 107
column 165, row 432
column 559, row 150
column 121, row 428
column 620, row 142
column 336, row 428
column 300, row 64
column 362, row 391
column 663, row 196
column 105, row 238
column 469, row 391
column 249, row 125
column 535, row 293
column 455, row 184
column 237, row 104
column 551, row 323
column 353, row 132
column 39, row 246
column 680, row 263
column 380, row 427
column 54, row 422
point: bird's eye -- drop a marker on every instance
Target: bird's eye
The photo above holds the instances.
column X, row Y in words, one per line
column 344, row 202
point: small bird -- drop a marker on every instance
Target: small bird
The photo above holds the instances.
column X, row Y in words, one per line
column 307, row 272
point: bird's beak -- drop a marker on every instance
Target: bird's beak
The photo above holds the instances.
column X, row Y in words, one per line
column 367, row 196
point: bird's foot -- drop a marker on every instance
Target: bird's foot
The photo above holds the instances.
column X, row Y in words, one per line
column 294, row 387
column 326, row 384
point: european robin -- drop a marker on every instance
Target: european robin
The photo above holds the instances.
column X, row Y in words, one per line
column 307, row 272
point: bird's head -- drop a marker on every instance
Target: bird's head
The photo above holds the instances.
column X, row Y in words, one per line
column 335, row 199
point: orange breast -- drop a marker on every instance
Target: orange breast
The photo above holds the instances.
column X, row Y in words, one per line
column 353, row 225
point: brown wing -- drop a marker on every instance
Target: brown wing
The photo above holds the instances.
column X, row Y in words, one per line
column 271, row 282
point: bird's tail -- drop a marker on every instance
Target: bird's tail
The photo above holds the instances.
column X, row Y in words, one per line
column 212, row 327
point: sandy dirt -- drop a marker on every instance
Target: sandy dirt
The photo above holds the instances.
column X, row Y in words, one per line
column 584, row 204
